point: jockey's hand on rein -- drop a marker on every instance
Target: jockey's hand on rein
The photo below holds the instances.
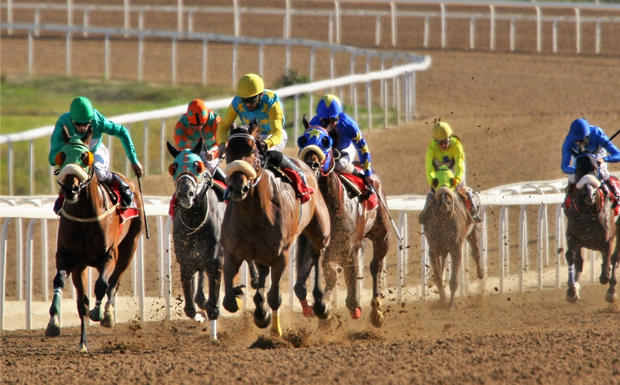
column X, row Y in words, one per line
column 137, row 169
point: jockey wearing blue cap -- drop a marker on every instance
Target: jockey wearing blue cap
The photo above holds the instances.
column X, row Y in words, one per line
column 582, row 137
column 329, row 115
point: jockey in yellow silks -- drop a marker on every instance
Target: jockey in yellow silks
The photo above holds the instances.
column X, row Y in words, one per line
column 253, row 101
column 446, row 149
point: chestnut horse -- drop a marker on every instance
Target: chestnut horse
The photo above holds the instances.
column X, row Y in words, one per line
column 448, row 226
column 351, row 222
column 196, row 230
column 90, row 233
column 262, row 220
column 590, row 225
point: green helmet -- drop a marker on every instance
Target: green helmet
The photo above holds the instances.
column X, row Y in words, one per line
column 81, row 110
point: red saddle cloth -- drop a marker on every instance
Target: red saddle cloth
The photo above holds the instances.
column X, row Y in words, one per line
column 372, row 200
column 569, row 197
column 303, row 191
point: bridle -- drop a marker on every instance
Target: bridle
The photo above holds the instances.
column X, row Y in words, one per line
column 200, row 185
column 257, row 166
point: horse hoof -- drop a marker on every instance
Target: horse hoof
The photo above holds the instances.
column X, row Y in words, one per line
column 308, row 312
column 376, row 318
column 610, row 297
column 200, row 317
column 357, row 313
column 262, row 323
column 53, row 329
column 603, row 280
column 96, row 314
column 324, row 314
column 572, row 294
column 83, row 348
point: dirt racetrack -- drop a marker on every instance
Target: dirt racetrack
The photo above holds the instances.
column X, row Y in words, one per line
column 512, row 112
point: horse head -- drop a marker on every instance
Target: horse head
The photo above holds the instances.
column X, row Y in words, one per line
column 445, row 196
column 75, row 164
column 243, row 156
column 315, row 149
column 587, row 188
column 189, row 173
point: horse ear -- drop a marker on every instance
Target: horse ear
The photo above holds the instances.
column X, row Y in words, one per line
column 434, row 182
column 173, row 151
column 305, row 122
column 65, row 134
column 196, row 150
column 88, row 135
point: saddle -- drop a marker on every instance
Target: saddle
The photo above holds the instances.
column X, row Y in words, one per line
column 302, row 190
column 355, row 186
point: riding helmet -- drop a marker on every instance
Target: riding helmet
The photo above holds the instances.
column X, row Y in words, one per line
column 579, row 129
column 250, row 85
column 328, row 107
column 81, row 110
column 197, row 112
column 441, row 131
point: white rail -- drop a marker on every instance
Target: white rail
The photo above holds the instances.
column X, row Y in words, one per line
column 537, row 194
column 394, row 12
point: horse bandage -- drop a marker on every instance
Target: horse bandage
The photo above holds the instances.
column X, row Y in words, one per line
column 243, row 166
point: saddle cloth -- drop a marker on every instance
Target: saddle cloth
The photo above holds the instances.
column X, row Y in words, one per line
column 356, row 185
column 302, row 190
column 612, row 179
column 124, row 214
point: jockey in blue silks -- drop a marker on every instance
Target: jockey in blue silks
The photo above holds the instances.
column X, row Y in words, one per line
column 582, row 137
column 330, row 116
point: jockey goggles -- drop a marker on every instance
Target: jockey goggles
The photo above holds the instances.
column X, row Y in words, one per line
column 443, row 142
column 326, row 121
column 81, row 125
column 252, row 99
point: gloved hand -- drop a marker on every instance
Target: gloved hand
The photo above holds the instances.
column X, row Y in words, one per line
column 137, row 169
column 222, row 150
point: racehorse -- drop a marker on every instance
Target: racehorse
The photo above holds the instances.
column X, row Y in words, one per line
column 590, row 225
column 448, row 226
column 91, row 233
column 262, row 219
column 196, row 230
column 351, row 222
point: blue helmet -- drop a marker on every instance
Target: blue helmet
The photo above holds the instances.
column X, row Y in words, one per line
column 328, row 107
column 579, row 129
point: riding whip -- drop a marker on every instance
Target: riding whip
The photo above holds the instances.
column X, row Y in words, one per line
column 400, row 238
column 146, row 222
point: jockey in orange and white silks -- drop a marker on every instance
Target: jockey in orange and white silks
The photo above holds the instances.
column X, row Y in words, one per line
column 80, row 117
column 197, row 123
column 446, row 149
column 582, row 137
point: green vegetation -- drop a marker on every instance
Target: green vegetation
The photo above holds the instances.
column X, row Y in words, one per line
column 38, row 102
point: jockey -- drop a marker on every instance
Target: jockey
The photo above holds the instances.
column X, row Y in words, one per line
column 446, row 149
column 582, row 137
column 329, row 115
column 80, row 117
column 253, row 101
column 197, row 123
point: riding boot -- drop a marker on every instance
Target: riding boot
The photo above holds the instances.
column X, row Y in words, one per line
column 368, row 191
column 473, row 208
column 425, row 214
column 124, row 190
column 278, row 159
column 218, row 174
column 220, row 191
column 294, row 173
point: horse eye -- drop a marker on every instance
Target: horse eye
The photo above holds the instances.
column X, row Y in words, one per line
column 326, row 142
column 301, row 142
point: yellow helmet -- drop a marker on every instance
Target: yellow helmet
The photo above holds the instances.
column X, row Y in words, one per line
column 250, row 85
column 441, row 131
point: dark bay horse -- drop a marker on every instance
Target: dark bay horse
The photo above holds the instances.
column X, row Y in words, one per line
column 448, row 226
column 196, row 230
column 590, row 225
column 262, row 220
column 90, row 233
column 351, row 222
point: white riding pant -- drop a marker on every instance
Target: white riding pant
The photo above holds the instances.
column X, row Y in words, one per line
column 210, row 164
column 102, row 163
column 346, row 157
column 278, row 147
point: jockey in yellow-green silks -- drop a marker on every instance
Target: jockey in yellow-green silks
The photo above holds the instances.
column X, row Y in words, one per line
column 446, row 149
column 253, row 101
column 80, row 117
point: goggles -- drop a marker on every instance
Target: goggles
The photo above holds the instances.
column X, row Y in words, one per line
column 444, row 142
column 326, row 121
column 252, row 99
column 81, row 125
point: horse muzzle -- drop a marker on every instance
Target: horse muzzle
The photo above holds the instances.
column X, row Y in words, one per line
column 238, row 188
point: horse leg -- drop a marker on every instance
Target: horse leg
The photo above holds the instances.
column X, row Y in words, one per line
column 188, row 279
column 611, row 295
column 572, row 293
column 214, row 274
column 379, row 250
column 605, row 268
column 83, row 303
column 274, row 297
column 320, row 307
column 303, row 267
column 456, row 254
column 232, row 301
column 350, row 269
column 331, row 277
column 60, row 280
column 262, row 318
column 437, row 264
column 473, row 240
column 102, row 285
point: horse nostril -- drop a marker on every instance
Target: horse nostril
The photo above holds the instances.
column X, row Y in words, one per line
column 245, row 189
column 190, row 194
column 75, row 189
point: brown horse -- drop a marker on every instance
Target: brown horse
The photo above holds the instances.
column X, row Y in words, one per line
column 351, row 222
column 262, row 220
column 448, row 226
column 90, row 233
column 590, row 225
